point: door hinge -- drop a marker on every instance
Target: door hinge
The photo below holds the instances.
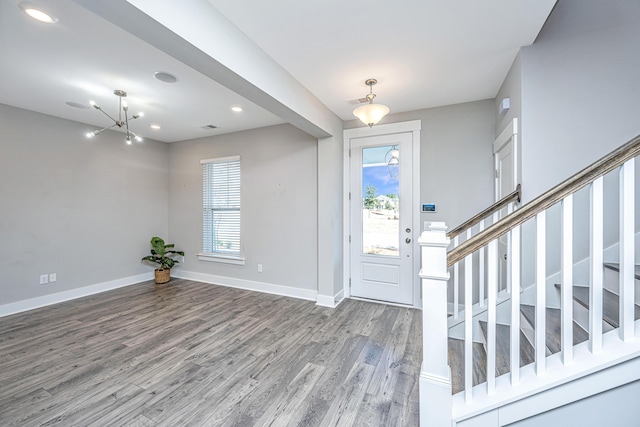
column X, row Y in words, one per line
column 349, row 195
column 349, row 238
column 497, row 173
column 349, row 282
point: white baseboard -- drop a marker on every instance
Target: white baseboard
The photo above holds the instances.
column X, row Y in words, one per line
column 331, row 302
column 45, row 300
column 249, row 285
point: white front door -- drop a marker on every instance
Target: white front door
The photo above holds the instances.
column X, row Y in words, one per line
column 381, row 220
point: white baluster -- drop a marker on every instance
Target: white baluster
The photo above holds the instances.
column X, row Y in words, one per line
column 492, row 290
column 596, row 266
column 567, row 280
column 481, row 264
column 514, row 261
column 468, row 324
column 627, row 235
column 456, row 284
column 541, row 303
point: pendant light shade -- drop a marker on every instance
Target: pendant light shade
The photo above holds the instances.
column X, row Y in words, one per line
column 371, row 113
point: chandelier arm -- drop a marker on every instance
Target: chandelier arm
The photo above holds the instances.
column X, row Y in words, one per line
column 95, row 132
column 107, row 114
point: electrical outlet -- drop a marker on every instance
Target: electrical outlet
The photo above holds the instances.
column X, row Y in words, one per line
column 44, row 279
column 52, row 277
column 259, row 268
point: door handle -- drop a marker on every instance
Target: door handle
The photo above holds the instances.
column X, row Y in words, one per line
column 408, row 240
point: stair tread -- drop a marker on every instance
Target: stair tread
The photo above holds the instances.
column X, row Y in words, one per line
column 503, row 348
column 529, row 313
column 456, row 363
column 616, row 267
column 610, row 309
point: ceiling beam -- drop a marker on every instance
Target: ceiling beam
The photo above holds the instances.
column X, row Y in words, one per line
column 196, row 34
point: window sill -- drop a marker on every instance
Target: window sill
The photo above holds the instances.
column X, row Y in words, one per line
column 225, row 259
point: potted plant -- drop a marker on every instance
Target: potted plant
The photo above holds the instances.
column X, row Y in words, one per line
column 162, row 255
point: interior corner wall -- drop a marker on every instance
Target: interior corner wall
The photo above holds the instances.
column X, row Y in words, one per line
column 84, row 209
column 279, row 205
column 330, row 221
column 580, row 89
column 511, row 88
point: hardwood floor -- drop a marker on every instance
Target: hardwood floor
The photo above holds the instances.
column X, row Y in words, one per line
column 193, row 354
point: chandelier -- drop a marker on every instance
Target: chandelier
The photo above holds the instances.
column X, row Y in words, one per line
column 123, row 118
column 371, row 113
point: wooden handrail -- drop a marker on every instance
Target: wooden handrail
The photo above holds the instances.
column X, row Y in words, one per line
column 514, row 196
column 583, row 178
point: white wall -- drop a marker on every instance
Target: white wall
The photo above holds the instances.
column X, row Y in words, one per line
column 84, row 209
column 615, row 407
column 279, row 205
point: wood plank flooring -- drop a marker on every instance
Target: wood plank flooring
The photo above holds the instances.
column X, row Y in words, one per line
column 192, row 354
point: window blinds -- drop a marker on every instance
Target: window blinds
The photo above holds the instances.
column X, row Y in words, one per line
column 221, row 206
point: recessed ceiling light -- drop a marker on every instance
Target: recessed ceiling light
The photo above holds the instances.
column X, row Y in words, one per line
column 37, row 13
column 154, row 126
column 77, row 105
column 165, row 77
column 236, row 109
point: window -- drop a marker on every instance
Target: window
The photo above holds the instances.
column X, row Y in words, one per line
column 221, row 210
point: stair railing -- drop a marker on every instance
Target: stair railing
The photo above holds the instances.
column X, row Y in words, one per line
column 435, row 376
column 466, row 227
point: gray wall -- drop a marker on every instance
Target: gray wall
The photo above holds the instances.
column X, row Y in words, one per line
column 511, row 88
column 575, row 92
column 279, row 204
column 84, row 209
column 580, row 89
column 456, row 158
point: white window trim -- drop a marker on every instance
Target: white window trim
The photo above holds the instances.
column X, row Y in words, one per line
column 218, row 256
column 225, row 259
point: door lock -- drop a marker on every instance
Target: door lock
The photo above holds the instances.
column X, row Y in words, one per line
column 408, row 240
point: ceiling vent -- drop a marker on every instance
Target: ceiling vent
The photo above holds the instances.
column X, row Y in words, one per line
column 357, row 101
column 209, row 127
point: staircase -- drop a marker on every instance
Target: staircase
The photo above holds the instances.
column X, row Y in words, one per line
column 519, row 341
column 610, row 319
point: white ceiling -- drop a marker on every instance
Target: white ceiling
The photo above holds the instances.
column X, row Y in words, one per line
column 424, row 53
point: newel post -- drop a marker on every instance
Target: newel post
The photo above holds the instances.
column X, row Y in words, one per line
column 435, row 374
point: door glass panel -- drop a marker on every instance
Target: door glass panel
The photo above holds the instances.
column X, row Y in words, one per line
column 380, row 201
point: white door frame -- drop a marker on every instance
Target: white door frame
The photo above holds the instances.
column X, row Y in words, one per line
column 509, row 133
column 414, row 127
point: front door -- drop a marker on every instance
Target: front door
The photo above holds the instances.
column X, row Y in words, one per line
column 382, row 218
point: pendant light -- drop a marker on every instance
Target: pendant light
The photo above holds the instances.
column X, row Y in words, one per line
column 371, row 113
column 123, row 118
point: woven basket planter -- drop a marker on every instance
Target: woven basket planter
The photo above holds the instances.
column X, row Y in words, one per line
column 163, row 275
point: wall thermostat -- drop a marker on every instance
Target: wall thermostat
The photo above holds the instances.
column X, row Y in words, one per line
column 428, row 207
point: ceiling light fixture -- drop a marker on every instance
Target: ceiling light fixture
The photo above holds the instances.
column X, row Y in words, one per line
column 154, row 127
column 236, row 109
column 38, row 14
column 123, row 110
column 371, row 113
